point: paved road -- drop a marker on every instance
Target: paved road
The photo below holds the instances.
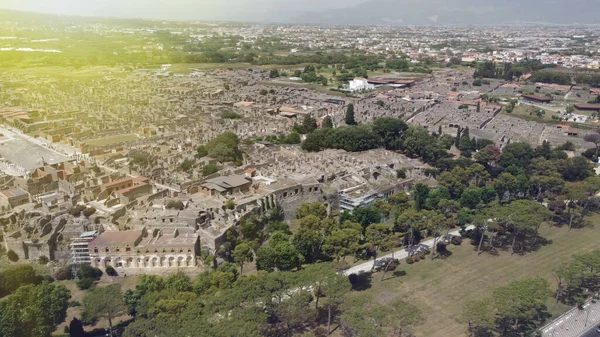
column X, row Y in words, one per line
column 592, row 332
column 575, row 323
column 401, row 254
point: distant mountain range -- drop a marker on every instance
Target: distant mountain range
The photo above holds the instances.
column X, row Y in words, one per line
column 339, row 12
column 443, row 12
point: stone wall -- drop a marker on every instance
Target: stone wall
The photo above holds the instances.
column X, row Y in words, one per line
column 291, row 198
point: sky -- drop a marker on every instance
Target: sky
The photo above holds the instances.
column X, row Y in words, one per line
column 245, row 10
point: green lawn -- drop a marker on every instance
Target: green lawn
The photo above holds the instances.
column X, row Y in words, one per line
column 441, row 287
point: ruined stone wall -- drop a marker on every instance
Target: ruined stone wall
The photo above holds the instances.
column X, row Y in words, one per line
column 291, row 198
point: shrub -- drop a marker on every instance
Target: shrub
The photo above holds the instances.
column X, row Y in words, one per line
column 486, row 82
column 73, row 304
column 477, row 83
column 85, row 283
column 441, row 247
column 456, row 240
column 427, row 252
column 110, row 271
column 409, row 260
column 230, row 115
column 175, row 204
column 76, row 210
column 422, row 256
column 63, row 273
column 209, row 169
column 43, row 260
column 87, row 271
column 88, row 212
column 48, row 278
column 12, row 255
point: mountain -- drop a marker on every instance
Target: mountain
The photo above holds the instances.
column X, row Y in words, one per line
column 477, row 12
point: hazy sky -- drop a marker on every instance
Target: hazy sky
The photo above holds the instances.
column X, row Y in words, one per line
column 179, row 9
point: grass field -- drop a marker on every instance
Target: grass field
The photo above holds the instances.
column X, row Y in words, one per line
column 527, row 112
column 441, row 287
column 112, row 139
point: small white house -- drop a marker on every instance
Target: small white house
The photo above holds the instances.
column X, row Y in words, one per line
column 360, row 83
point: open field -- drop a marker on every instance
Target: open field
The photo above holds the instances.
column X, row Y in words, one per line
column 442, row 287
column 67, row 72
column 112, row 139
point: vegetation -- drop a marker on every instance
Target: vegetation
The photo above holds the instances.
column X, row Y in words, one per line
column 230, row 115
column 87, row 275
column 16, row 276
column 106, row 302
column 224, row 148
column 209, row 169
column 34, row 310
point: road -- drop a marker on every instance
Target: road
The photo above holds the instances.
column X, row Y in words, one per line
column 592, row 332
column 401, row 254
column 575, row 323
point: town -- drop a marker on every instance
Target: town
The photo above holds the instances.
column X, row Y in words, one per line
column 201, row 149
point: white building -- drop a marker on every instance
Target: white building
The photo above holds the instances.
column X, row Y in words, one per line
column 360, row 83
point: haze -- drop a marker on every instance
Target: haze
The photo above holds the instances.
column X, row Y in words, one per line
column 234, row 10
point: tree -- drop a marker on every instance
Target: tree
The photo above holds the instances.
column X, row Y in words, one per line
column 281, row 256
column 334, row 287
column 349, row 119
column 403, row 317
column 489, row 155
column 376, row 235
column 390, row 131
column 327, row 122
column 106, row 302
column 465, row 140
column 341, row 243
column 506, row 184
column 309, row 124
column 480, row 316
column 520, row 303
column 209, row 169
column 309, row 240
column 421, row 192
column 436, row 224
column 34, row 310
column 329, row 284
column 366, row 215
column 315, row 208
column 410, row 222
column 17, row 276
column 87, row 271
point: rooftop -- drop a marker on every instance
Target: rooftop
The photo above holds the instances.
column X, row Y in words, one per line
column 117, row 238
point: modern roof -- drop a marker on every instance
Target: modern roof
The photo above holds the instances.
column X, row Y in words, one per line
column 226, row 182
column 117, row 238
column 587, row 106
column 538, row 98
column 14, row 193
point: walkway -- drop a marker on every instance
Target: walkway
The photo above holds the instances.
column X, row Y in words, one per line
column 575, row 322
column 401, row 254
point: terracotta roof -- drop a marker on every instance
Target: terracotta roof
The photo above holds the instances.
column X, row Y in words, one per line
column 117, row 238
